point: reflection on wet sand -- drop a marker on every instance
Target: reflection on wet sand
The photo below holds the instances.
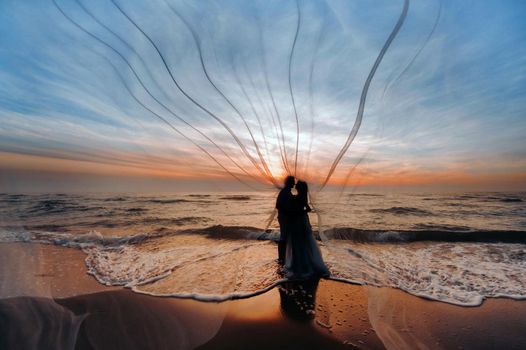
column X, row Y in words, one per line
column 298, row 299
column 46, row 303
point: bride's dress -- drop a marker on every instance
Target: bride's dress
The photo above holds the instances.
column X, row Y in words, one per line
column 303, row 258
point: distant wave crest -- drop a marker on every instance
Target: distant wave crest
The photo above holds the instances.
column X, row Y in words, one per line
column 402, row 211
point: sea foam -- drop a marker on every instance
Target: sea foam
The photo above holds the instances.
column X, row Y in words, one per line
column 458, row 273
column 222, row 263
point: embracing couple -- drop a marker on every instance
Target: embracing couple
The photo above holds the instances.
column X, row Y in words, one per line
column 297, row 248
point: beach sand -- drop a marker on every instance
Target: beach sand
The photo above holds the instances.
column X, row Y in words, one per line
column 49, row 301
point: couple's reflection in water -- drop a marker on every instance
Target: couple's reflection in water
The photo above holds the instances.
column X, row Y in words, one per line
column 298, row 299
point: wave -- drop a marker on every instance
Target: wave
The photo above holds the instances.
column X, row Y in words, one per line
column 58, row 206
column 12, row 198
column 402, row 211
column 86, row 240
column 182, row 221
column 132, row 220
column 236, row 232
column 136, row 210
column 235, row 198
column 462, row 273
column 365, row 195
column 47, row 228
column 215, row 264
column 116, row 199
column 467, row 197
column 511, row 200
column 424, row 232
column 41, row 234
column 435, row 233
column 459, row 204
column 496, row 197
column 440, row 227
column 167, row 201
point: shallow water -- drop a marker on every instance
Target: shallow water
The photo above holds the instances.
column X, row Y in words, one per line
column 456, row 248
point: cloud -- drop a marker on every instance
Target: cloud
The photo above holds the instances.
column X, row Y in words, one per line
column 462, row 99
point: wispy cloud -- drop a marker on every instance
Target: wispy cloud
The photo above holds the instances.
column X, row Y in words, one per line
column 460, row 105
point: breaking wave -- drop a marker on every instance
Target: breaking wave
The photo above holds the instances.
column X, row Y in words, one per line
column 461, row 273
column 225, row 262
column 430, row 233
column 442, row 233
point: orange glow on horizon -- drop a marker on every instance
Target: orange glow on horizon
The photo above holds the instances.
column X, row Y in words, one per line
column 361, row 177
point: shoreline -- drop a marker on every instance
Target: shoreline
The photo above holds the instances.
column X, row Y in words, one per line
column 74, row 308
column 72, row 253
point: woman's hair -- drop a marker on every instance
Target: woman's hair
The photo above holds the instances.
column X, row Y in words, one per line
column 303, row 190
column 302, row 187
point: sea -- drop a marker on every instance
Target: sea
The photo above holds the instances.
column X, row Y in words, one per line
column 459, row 248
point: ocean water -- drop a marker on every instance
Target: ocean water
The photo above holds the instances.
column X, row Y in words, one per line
column 458, row 248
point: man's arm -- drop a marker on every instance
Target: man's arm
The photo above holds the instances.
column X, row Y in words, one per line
column 279, row 201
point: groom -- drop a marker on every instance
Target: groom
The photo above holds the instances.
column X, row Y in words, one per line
column 284, row 206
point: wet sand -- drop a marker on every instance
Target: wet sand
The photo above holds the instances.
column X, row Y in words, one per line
column 49, row 301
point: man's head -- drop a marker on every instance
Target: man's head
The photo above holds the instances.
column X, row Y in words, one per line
column 289, row 181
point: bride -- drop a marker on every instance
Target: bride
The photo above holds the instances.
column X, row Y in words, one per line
column 303, row 258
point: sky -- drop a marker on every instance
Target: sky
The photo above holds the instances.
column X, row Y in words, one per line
column 175, row 95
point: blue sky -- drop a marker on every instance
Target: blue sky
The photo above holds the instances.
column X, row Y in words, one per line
column 455, row 117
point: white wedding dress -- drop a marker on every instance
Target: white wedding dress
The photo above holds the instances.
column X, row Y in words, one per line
column 303, row 258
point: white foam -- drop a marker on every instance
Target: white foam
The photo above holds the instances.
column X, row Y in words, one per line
column 46, row 237
column 7, row 236
column 461, row 273
column 193, row 265
column 187, row 266
column 244, row 271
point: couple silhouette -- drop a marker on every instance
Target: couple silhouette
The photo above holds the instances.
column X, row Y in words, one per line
column 297, row 248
